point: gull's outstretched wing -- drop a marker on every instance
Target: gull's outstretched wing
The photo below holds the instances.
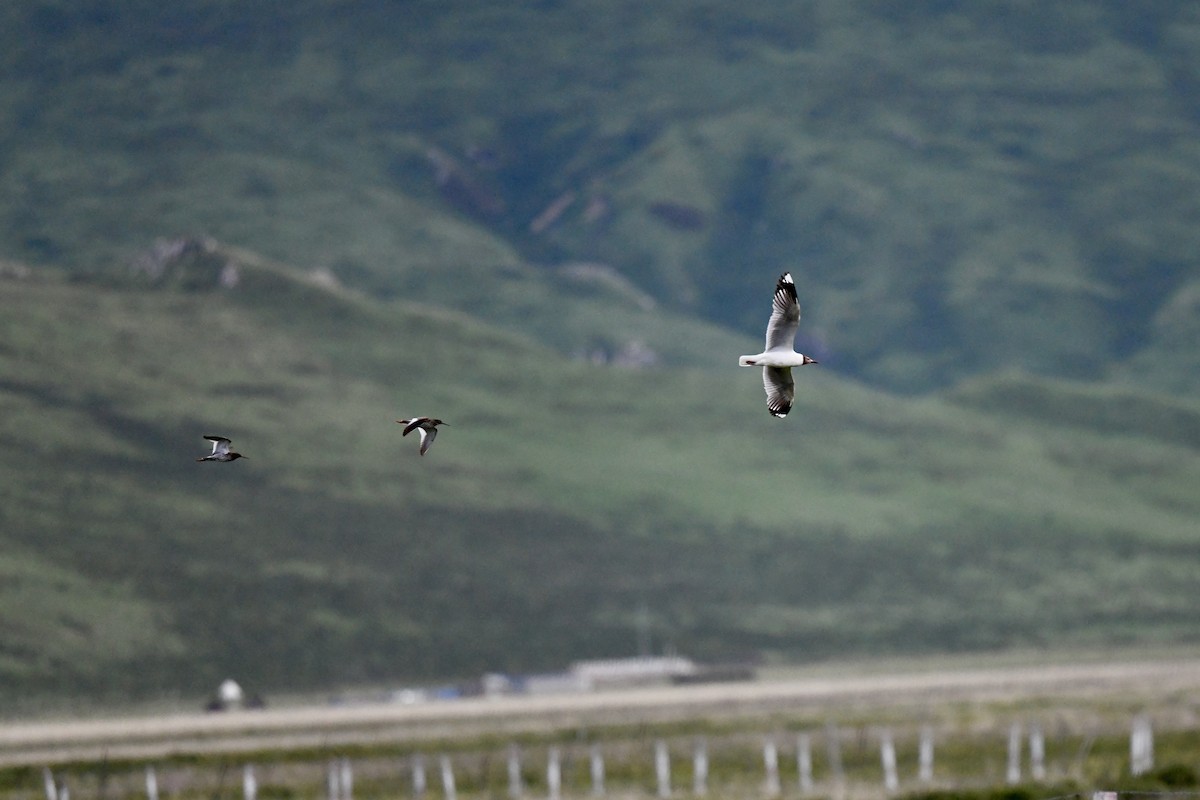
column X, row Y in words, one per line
column 785, row 315
column 780, row 390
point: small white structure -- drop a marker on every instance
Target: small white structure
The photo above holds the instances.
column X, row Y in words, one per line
column 639, row 671
column 230, row 694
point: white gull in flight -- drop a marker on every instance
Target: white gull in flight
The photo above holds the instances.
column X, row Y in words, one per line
column 778, row 358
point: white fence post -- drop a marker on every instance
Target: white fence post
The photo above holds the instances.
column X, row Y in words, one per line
column 333, row 782
column 418, row 776
column 887, row 755
column 554, row 774
column 515, row 789
column 48, row 784
column 347, row 779
column 700, row 768
column 597, row 765
column 925, row 755
column 662, row 768
column 1037, row 753
column 1141, row 746
column 151, row 783
column 804, row 762
column 249, row 783
column 771, row 764
column 1014, row 753
column 448, row 788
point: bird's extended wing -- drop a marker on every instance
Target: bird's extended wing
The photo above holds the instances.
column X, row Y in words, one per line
column 780, row 390
column 785, row 315
column 220, row 444
column 427, row 437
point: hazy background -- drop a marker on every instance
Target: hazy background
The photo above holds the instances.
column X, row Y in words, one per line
column 556, row 226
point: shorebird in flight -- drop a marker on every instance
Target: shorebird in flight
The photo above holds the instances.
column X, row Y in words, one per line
column 427, row 427
column 778, row 358
column 221, row 451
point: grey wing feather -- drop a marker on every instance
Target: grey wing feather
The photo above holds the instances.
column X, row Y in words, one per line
column 781, row 390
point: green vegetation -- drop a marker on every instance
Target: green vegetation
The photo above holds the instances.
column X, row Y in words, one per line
column 992, row 214
column 959, row 187
column 564, row 501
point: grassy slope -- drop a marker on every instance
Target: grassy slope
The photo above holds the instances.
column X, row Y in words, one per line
column 563, row 500
column 961, row 188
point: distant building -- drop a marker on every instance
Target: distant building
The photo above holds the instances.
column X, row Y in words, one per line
column 637, row 671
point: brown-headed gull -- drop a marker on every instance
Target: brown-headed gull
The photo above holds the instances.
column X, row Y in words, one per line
column 778, row 358
column 220, row 451
column 426, row 425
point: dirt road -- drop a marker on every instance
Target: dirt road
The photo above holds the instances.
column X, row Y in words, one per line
column 1138, row 684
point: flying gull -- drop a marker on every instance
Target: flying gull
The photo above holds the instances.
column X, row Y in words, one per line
column 220, row 451
column 778, row 358
column 426, row 425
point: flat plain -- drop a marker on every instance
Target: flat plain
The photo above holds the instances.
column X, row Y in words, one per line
column 1092, row 694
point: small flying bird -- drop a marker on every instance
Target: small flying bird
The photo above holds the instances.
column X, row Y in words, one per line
column 426, row 425
column 778, row 358
column 221, row 451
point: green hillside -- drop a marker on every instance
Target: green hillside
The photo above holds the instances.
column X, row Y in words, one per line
column 962, row 187
column 565, row 499
column 556, row 225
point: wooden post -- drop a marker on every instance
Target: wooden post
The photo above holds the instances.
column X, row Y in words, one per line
column 597, row 759
column 925, row 755
column 700, row 768
column 1014, row 753
column 662, row 768
column 804, row 762
column 515, row 789
column 887, row 755
column 418, row 776
column 448, row 788
column 771, row 764
column 554, row 774
column 1037, row 753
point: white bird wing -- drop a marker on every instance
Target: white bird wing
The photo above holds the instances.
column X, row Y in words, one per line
column 427, row 437
column 785, row 315
column 220, row 444
column 781, row 390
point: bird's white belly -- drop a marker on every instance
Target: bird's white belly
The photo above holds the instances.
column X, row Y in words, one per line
column 773, row 358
